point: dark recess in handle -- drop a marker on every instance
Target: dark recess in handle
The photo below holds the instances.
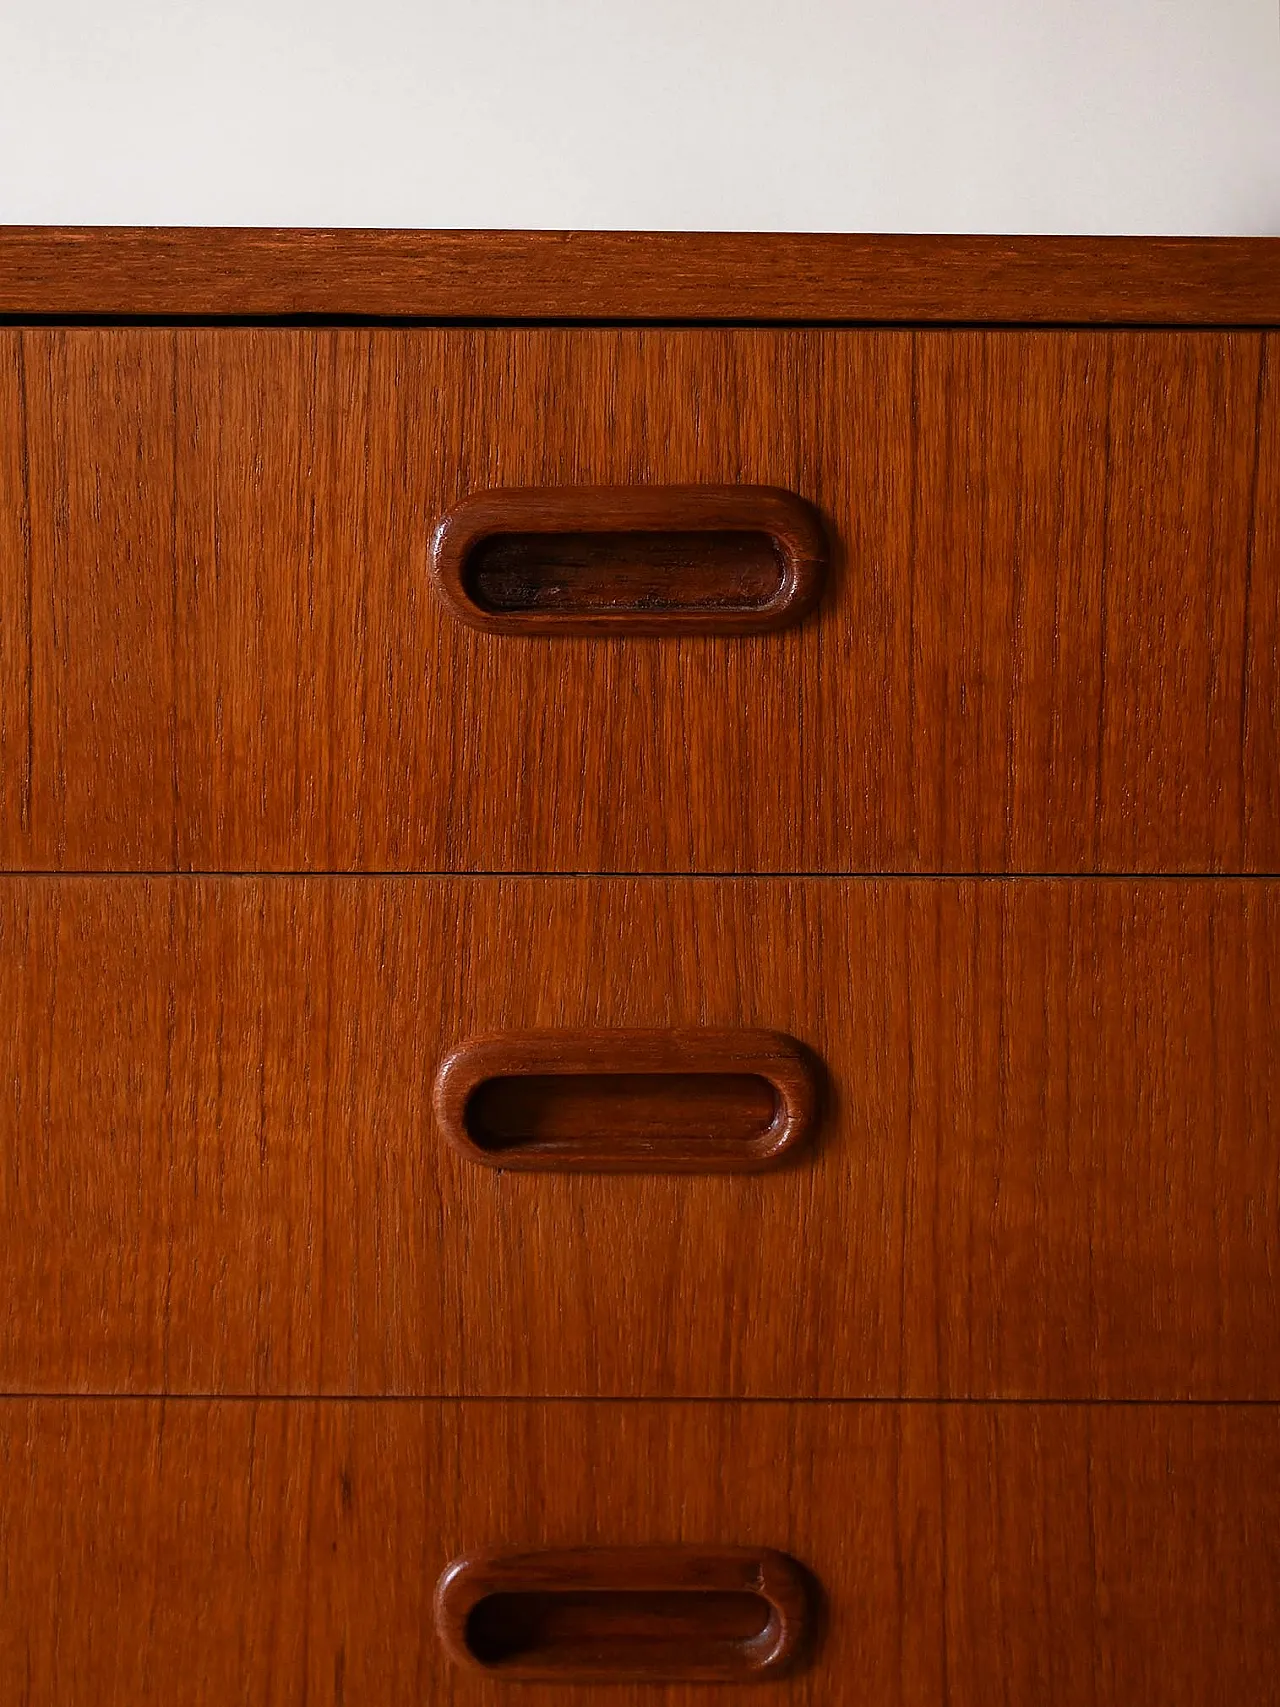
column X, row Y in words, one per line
column 699, row 1100
column 618, row 1614
column 630, row 559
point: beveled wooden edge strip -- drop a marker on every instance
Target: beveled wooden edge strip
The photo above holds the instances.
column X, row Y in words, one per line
column 790, row 521
column 209, row 273
column 785, row 1064
column 773, row 1576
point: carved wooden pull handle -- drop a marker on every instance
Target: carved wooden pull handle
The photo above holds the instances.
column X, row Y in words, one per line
column 683, row 1101
column 630, row 559
column 613, row 1614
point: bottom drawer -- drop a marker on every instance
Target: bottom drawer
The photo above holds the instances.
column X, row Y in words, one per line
column 187, row 1551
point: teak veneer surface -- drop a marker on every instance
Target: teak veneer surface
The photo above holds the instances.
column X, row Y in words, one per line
column 550, row 275
column 188, row 1554
column 1050, row 639
column 1047, row 1163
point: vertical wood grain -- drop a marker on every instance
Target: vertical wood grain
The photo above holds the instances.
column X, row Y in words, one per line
column 92, row 534
column 1260, row 665
column 17, row 639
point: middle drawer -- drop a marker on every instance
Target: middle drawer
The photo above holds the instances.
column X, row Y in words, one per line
column 1045, row 1161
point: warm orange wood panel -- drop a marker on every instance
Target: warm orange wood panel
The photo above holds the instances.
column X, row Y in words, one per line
column 193, row 1554
column 1048, row 1164
column 645, row 275
column 1050, row 642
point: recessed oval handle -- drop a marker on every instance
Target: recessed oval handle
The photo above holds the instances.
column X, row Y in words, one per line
column 630, row 559
column 677, row 1101
column 617, row 1614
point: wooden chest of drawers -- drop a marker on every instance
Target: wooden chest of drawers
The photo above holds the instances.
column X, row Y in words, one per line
column 639, row 968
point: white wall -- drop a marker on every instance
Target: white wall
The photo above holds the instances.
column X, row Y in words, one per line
column 908, row 115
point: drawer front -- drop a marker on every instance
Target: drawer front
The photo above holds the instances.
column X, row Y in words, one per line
column 1048, row 639
column 190, row 1553
column 1045, row 1162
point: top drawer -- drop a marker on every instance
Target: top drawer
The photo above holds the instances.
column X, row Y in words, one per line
column 1049, row 640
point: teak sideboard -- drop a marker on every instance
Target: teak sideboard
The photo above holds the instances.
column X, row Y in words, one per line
column 639, row 970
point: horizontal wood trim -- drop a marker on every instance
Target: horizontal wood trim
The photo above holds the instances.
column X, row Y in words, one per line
column 1046, row 1167
column 188, row 1554
column 582, row 275
column 1048, row 640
